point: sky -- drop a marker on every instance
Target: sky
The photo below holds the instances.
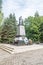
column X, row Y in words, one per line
column 22, row 8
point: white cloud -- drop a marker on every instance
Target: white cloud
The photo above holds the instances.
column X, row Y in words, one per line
column 22, row 7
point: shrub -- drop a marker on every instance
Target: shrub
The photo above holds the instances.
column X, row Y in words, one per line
column 37, row 42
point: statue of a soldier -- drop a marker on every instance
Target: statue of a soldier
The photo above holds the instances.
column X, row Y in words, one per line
column 20, row 20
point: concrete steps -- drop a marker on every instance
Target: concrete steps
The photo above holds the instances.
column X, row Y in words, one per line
column 7, row 49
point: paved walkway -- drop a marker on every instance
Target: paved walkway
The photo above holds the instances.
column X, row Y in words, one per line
column 20, row 49
column 3, row 54
column 23, row 55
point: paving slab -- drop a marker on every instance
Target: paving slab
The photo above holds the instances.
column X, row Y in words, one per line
column 3, row 54
column 23, row 55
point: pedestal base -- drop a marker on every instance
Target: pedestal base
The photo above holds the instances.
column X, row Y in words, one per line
column 20, row 40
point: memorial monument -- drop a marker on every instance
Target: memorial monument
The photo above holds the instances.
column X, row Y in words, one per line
column 20, row 28
column 21, row 35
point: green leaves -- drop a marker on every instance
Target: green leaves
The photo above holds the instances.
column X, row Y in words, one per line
column 41, row 32
column 36, row 14
column 0, row 4
column 1, row 17
column 32, row 30
column 9, row 29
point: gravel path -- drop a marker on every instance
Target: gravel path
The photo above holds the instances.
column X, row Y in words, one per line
column 32, row 56
column 29, row 58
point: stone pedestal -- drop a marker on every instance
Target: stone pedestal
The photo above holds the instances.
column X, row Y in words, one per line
column 20, row 30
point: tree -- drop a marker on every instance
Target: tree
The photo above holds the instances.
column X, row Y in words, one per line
column 36, row 14
column 32, row 30
column 1, row 17
column 41, row 32
column 1, row 14
column 9, row 29
column 28, row 21
column 0, row 5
